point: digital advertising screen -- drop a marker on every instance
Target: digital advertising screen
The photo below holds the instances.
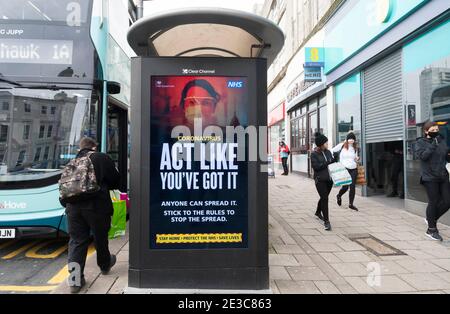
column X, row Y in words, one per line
column 198, row 185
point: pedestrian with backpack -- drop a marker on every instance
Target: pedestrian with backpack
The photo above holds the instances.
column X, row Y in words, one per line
column 347, row 154
column 84, row 192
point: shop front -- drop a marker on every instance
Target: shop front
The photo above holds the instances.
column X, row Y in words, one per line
column 389, row 78
column 306, row 118
column 277, row 133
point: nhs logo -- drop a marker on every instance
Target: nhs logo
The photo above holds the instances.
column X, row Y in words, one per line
column 235, row 84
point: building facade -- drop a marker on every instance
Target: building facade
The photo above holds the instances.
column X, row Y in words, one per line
column 385, row 73
column 294, row 116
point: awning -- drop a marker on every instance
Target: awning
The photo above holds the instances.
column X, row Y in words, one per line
column 206, row 32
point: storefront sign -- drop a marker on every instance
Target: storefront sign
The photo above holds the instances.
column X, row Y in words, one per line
column 313, row 74
column 359, row 23
column 198, row 197
column 314, row 57
column 412, row 115
column 297, row 89
column 277, row 115
column 384, row 10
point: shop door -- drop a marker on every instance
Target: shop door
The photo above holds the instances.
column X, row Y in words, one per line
column 384, row 122
column 313, row 128
column 117, row 142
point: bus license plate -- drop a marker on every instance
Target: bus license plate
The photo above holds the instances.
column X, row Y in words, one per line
column 7, row 233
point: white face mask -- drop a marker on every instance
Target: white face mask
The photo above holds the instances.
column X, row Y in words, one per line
column 351, row 142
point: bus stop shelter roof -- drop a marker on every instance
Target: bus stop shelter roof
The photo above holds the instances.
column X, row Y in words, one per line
column 206, row 32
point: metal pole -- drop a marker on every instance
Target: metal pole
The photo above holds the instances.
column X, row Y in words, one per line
column 140, row 8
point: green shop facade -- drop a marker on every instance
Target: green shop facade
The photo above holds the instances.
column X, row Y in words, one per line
column 388, row 71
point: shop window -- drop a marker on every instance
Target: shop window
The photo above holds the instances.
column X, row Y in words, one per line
column 323, row 120
column 348, row 107
column 26, row 107
column 46, row 152
column 26, row 132
column 50, row 131
column 426, row 74
column 41, row 131
column 3, row 133
column 21, row 158
column 37, row 155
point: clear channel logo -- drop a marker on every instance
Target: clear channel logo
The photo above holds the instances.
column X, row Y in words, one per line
column 201, row 71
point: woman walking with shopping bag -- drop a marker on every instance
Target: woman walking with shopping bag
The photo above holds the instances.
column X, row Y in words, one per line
column 433, row 153
column 347, row 155
column 321, row 158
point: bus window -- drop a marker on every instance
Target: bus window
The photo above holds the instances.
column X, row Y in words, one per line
column 46, row 145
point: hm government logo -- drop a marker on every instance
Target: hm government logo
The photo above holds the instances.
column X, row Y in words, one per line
column 12, row 205
column 201, row 71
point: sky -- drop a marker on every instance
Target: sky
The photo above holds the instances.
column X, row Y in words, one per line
column 164, row 5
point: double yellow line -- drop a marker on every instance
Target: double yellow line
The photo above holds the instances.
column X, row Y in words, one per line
column 32, row 252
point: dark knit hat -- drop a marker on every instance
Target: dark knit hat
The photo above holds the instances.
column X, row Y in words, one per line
column 320, row 139
column 351, row 136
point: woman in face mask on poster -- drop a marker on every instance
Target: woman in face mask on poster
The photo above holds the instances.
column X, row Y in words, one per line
column 347, row 155
column 433, row 153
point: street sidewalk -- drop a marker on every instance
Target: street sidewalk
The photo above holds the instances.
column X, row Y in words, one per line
column 306, row 259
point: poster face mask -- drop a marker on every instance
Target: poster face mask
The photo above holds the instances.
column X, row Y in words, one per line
column 199, row 107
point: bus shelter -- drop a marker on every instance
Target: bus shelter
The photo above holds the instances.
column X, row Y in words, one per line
column 199, row 216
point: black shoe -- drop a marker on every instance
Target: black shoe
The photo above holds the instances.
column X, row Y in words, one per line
column 353, row 207
column 339, row 200
column 77, row 289
column 434, row 235
column 319, row 216
column 393, row 194
column 111, row 264
column 327, row 226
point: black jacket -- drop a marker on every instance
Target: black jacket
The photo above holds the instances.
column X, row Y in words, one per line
column 107, row 177
column 320, row 162
column 433, row 156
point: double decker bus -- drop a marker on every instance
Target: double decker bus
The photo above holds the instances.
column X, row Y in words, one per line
column 52, row 93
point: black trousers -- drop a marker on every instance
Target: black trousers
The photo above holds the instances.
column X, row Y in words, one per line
column 81, row 224
column 352, row 187
column 324, row 189
column 284, row 161
column 438, row 201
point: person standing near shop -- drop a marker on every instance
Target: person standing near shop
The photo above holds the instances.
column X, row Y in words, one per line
column 321, row 158
column 397, row 170
column 433, row 153
column 284, row 152
column 348, row 156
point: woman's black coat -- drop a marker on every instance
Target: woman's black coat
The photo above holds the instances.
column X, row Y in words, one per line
column 320, row 161
column 433, row 156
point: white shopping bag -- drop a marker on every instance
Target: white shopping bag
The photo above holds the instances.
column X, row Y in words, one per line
column 340, row 175
column 448, row 167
